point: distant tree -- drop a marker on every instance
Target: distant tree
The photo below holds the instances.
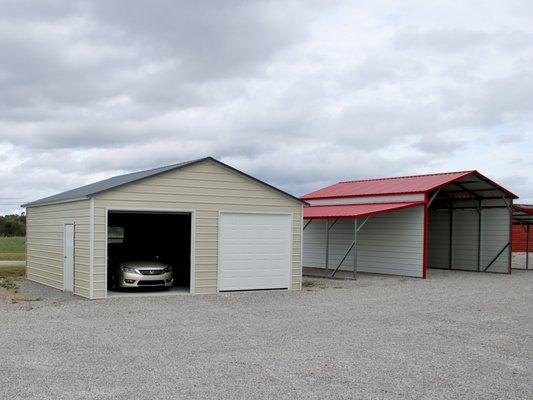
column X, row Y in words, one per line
column 13, row 225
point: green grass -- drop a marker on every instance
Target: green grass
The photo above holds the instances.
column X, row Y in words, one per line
column 15, row 244
column 12, row 248
column 12, row 271
column 12, row 256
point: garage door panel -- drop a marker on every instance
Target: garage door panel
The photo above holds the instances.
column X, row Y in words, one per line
column 254, row 251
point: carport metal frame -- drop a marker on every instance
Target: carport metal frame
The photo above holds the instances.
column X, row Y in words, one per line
column 353, row 246
column 479, row 208
column 191, row 212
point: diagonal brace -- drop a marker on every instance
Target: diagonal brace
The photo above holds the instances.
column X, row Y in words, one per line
column 496, row 257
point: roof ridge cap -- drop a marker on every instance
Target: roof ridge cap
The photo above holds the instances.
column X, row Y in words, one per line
column 407, row 176
column 363, row 204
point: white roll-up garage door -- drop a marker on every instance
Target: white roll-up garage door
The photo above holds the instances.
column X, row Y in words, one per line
column 254, row 251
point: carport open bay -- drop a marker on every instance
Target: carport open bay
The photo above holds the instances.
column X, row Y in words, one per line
column 455, row 335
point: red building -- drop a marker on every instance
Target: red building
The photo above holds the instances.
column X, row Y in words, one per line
column 522, row 232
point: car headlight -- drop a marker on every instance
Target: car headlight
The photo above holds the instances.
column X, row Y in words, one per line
column 127, row 269
column 168, row 269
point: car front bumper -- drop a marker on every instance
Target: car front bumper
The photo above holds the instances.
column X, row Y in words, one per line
column 133, row 280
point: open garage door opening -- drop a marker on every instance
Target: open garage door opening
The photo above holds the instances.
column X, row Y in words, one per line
column 148, row 252
column 469, row 225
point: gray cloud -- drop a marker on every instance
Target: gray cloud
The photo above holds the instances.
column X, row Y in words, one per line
column 300, row 94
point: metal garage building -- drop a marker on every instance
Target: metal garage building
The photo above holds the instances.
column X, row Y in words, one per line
column 403, row 225
column 220, row 228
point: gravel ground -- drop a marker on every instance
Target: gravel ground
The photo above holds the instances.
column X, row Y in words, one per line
column 456, row 335
column 519, row 260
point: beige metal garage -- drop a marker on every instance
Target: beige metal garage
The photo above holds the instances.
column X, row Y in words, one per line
column 232, row 231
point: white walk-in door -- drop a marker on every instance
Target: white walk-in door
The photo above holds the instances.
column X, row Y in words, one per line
column 254, row 251
column 68, row 258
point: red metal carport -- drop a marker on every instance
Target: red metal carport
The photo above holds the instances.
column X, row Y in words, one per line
column 452, row 192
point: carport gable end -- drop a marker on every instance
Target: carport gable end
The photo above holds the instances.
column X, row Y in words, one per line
column 382, row 249
column 202, row 187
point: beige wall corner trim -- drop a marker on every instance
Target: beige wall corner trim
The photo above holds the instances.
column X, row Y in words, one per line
column 91, row 248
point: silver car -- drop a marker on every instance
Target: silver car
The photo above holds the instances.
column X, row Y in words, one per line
column 136, row 274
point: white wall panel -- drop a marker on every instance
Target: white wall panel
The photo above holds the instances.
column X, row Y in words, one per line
column 465, row 228
column 390, row 243
column 393, row 243
column 314, row 244
column 495, row 235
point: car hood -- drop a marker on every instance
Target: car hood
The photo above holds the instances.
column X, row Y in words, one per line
column 144, row 264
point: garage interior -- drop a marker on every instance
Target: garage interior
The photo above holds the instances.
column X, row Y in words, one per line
column 469, row 227
column 150, row 236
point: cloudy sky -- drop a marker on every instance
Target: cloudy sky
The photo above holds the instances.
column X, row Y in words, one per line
column 298, row 93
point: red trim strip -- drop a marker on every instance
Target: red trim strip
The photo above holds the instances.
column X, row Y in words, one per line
column 425, row 256
column 511, row 240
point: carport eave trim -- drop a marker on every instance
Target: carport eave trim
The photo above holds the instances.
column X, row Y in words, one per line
column 48, row 203
column 414, row 204
column 192, row 256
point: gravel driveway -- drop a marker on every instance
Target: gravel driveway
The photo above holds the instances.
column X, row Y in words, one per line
column 456, row 335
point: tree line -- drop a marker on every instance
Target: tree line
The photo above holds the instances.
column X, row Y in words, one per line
column 13, row 225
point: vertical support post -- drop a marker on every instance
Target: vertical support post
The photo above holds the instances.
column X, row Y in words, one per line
column 355, row 248
column 327, row 244
column 527, row 247
column 450, row 244
column 479, row 236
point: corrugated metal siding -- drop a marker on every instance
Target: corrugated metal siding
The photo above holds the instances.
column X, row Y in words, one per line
column 439, row 239
column 314, row 244
column 465, row 228
column 393, row 243
column 495, row 231
column 340, row 238
column 44, row 237
column 207, row 188
column 390, row 243
column 494, row 236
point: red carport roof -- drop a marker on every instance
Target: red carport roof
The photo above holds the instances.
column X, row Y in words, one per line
column 355, row 210
column 397, row 185
column 525, row 208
